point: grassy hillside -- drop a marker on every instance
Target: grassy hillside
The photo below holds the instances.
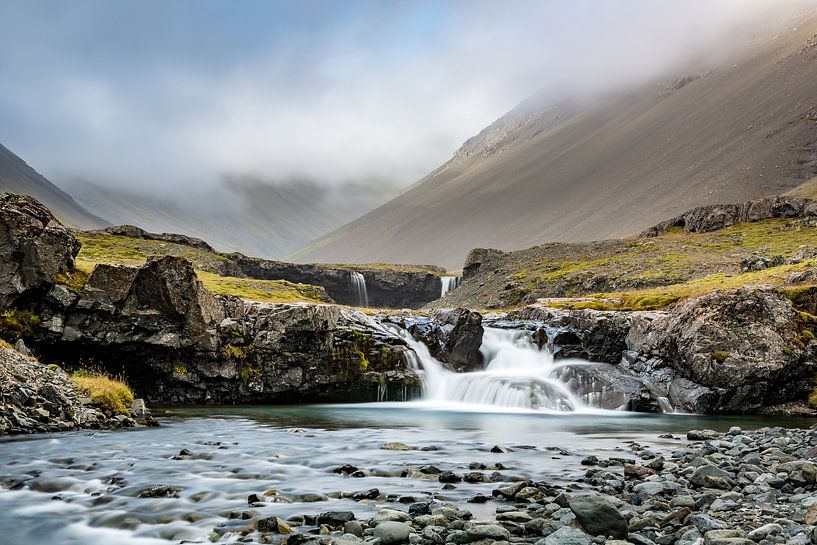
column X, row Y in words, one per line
column 119, row 250
column 643, row 273
column 609, row 167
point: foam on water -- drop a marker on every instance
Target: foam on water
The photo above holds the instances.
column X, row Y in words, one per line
column 518, row 376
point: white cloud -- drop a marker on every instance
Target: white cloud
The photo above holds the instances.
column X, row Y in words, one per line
column 369, row 96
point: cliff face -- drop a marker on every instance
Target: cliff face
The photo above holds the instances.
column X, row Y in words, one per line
column 177, row 343
column 389, row 288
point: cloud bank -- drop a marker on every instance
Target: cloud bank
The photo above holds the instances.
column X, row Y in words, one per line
column 172, row 96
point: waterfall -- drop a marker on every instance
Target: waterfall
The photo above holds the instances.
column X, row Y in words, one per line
column 517, row 375
column 358, row 283
column 449, row 283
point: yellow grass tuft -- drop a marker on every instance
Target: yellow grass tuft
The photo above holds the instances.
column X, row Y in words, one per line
column 110, row 394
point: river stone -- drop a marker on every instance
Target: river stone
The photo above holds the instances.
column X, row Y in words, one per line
column 353, row 527
column 335, row 518
column 273, row 524
column 700, row 475
column 566, row 536
column 495, row 532
column 598, row 516
column 392, row 533
column 390, row 515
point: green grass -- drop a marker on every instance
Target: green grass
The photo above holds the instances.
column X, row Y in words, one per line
column 121, row 250
column 16, row 323
column 268, row 291
column 657, row 272
column 110, row 394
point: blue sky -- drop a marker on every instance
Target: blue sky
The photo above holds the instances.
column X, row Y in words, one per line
column 177, row 93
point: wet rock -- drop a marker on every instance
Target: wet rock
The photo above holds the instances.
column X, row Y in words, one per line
column 335, row 518
column 449, row 477
column 392, row 533
column 273, row 524
column 598, row 516
column 461, row 338
column 370, row 494
column 566, row 536
column 160, row 491
column 477, row 532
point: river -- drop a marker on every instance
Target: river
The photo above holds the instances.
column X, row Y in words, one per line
column 82, row 487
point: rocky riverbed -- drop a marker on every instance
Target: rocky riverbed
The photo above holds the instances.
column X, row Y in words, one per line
column 391, row 474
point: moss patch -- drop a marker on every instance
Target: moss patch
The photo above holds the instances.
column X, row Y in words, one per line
column 15, row 323
column 268, row 291
column 109, row 394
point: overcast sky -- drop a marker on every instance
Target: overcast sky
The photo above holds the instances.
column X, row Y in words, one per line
column 174, row 94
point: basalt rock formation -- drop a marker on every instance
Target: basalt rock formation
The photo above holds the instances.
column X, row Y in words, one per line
column 389, row 288
column 453, row 336
column 34, row 248
column 178, row 343
column 718, row 216
column 175, row 341
column 737, row 351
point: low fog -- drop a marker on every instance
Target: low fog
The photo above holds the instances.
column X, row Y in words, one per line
column 169, row 97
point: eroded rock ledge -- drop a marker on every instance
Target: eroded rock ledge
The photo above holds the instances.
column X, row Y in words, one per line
column 736, row 351
column 178, row 343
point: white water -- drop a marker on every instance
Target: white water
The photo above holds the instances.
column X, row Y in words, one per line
column 359, row 288
column 449, row 283
column 517, row 376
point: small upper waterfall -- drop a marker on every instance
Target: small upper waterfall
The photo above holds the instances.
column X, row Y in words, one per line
column 517, row 375
column 358, row 283
column 449, row 283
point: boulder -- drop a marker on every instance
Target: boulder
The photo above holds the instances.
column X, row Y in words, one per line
column 598, row 516
column 34, row 248
column 392, row 533
column 742, row 344
column 461, row 337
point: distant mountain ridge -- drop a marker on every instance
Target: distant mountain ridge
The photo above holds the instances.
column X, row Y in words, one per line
column 608, row 167
column 244, row 214
column 16, row 176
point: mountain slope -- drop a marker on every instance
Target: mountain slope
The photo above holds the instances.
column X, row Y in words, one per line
column 609, row 168
column 246, row 215
column 17, row 177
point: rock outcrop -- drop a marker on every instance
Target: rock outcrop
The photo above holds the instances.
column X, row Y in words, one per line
column 718, row 216
column 137, row 232
column 453, row 336
column 175, row 341
column 749, row 347
column 386, row 287
column 34, row 248
column 736, row 351
column 178, row 343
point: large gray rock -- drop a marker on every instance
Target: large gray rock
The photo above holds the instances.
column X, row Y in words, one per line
column 392, row 533
column 745, row 345
column 598, row 516
column 34, row 248
column 462, row 337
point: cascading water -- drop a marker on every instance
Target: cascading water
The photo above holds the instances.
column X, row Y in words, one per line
column 518, row 375
column 449, row 283
column 358, row 283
